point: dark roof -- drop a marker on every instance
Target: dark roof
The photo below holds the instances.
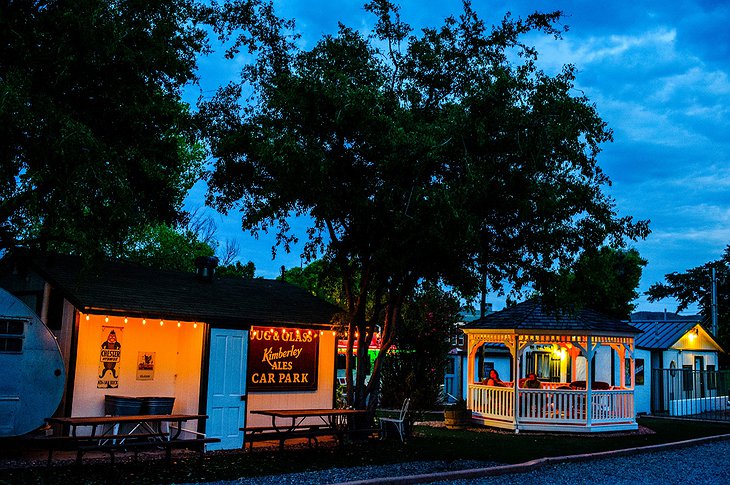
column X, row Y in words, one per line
column 661, row 335
column 124, row 288
column 532, row 315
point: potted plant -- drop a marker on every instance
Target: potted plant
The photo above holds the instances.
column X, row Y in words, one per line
column 457, row 416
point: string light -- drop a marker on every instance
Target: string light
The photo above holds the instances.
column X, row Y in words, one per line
column 195, row 325
column 178, row 324
column 87, row 317
column 144, row 321
column 126, row 320
column 106, row 319
column 161, row 323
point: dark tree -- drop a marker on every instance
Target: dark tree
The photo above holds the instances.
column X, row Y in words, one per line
column 95, row 139
column 430, row 156
column 604, row 280
column 694, row 286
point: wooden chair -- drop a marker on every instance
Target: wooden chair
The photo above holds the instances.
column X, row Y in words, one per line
column 399, row 422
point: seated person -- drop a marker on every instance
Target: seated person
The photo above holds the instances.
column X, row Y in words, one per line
column 493, row 379
column 532, row 382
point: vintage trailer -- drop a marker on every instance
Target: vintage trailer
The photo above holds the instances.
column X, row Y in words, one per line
column 32, row 372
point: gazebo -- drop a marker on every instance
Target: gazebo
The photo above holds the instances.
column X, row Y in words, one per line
column 584, row 362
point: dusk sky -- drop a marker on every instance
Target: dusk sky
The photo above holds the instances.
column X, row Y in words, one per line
column 658, row 72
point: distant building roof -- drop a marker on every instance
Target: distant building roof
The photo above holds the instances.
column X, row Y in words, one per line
column 532, row 315
column 662, row 316
column 124, row 288
column 661, row 335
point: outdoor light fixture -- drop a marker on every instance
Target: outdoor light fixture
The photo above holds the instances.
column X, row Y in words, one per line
column 693, row 334
column 87, row 318
column 126, row 320
column 178, row 324
column 161, row 323
column 106, row 319
column 195, row 325
column 144, row 321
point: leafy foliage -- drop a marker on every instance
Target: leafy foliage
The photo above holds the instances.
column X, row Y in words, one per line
column 237, row 269
column 417, row 369
column 318, row 279
column 604, row 280
column 695, row 286
column 438, row 156
column 167, row 247
column 96, row 140
column 164, row 247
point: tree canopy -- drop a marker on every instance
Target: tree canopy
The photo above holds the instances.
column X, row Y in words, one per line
column 433, row 156
column 604, row 280
column 694, row 286
column 96, row 141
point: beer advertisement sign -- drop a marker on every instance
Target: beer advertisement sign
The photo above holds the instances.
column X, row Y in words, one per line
column 110, row 357
column 282, row 359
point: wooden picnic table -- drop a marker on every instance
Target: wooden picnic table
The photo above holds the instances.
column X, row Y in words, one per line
column 112, row 423
column 332, row 422
column 142, row 432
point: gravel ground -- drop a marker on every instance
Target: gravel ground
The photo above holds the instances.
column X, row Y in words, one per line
column 701, row 464
column 339, row 475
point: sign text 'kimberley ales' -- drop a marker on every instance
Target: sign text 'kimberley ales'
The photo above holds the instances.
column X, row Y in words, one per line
column 282, row 359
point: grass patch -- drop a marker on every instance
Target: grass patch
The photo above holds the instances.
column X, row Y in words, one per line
column 429, row 443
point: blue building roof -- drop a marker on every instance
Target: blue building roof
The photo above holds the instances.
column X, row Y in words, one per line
column 662, row 334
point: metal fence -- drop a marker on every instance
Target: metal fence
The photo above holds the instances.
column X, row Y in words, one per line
column 699, row 394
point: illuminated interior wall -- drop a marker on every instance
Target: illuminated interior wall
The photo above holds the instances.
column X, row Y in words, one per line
column 177, row 362
column 321, row 398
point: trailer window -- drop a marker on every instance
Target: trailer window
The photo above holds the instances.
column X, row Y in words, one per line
column 11, row 335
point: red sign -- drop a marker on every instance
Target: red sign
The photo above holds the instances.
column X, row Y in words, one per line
column 282, row 359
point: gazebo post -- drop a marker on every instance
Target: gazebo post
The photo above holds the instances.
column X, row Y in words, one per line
column 590, row 352
column 472, row 346
column 622, row 356
column 516, row 374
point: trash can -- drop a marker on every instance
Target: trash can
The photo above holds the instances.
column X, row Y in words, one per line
column 157, row 405
column 122, row 405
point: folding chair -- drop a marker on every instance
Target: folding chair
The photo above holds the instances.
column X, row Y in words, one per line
column 399, row 422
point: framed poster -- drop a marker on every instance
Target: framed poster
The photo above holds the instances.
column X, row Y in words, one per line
column 110, row 357
column 145, row 366
column 282, row 359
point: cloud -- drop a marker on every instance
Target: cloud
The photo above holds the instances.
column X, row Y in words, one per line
column 620, row 47
column 713, row 82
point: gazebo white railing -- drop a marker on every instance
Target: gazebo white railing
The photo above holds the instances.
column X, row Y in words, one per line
column 538, row 408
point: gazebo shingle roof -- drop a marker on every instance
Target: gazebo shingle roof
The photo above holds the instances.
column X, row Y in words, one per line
column 128, row 288
column 532, row 315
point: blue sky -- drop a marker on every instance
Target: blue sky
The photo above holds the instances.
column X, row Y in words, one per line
column 659, row 74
